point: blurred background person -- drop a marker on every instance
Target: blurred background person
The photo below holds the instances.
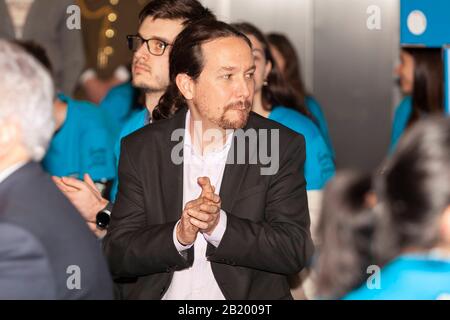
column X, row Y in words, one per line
column 121, row 103
column 82, row 145
column 421, row 77
column 160, row 23
column 43, row 240
column 399, row 221
column 23, row 20
column 108, row 61
column 284, row 54
column 274, row 100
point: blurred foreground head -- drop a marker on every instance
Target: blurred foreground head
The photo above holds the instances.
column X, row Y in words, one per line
column 371, row 220
column 26, row 106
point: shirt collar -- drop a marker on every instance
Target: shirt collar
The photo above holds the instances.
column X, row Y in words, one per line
column 148, row 117
column 188, row 142
column 10, row 170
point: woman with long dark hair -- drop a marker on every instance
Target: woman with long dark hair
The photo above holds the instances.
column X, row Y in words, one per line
column 398, row 221
column 422, row 81
column 287, row 60
column 275, row 100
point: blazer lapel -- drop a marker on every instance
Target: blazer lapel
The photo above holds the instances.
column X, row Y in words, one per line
column 231, row 183
column 235, row 173
column 174, row 172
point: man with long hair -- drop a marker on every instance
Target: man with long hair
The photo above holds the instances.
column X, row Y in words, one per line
column 210, row 226
column 160, row 23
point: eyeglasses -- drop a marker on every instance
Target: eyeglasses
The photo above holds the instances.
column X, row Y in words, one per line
column 154, row 45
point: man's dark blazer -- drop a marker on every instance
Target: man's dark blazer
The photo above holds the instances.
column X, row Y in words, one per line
column 45, row 244
column 267, row 235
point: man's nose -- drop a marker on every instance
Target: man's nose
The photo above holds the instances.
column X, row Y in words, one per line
column 141, row 51
column 245, row 88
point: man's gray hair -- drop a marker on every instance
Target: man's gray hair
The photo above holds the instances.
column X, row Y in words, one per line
column 26, row 95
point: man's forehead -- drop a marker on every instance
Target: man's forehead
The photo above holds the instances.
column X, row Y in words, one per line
column 160, row 28
column 228, row 54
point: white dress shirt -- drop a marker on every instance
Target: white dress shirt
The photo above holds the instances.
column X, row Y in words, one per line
column 10, row 170
column 198, row 282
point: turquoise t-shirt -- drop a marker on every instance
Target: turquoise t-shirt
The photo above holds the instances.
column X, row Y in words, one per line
column 83, row 144
column 118, row 104
column 136, row 121
column 319, row 165
column 401, row 118
column 314, row 107
column 410, row 277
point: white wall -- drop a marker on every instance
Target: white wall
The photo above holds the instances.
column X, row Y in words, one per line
column 292, row 17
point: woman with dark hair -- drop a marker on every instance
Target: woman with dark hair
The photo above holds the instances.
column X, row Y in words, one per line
column 274, row 100
column 422, row 81
column 287, row 60
column 399, row 221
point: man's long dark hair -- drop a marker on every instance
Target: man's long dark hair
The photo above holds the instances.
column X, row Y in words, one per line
column 428, row 90
column 277, row 92
column 186, row 10
column 412, row 192
column 186, row 58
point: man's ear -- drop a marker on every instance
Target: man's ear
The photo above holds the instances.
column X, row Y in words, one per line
column 186, row 85
column 8, row 136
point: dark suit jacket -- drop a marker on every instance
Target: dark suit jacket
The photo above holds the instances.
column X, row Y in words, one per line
column 45, row 244
column 46, row 25
column 267, row 235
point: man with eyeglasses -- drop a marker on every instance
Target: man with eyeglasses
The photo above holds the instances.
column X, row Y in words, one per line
column 160, row 23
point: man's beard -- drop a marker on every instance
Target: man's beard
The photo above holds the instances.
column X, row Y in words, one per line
column 225, row 123
column 149, row 82
column 148, row 88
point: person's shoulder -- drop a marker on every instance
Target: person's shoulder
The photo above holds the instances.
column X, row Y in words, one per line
column 82, row 111
column 295, row 121
column 408, row 277
column 312, row 102
column 286, row 134
column 123, row 87
column 134, row 122
column 256, row 121
column 121, row 91
column 32, row 181
column 404, row 106
column 160, row 131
